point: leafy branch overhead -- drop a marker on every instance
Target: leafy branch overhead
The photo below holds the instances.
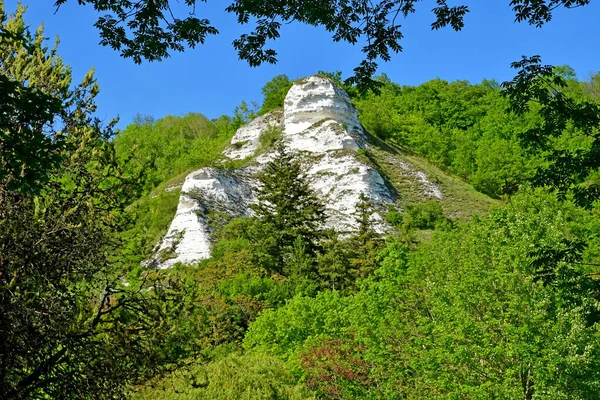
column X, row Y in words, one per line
column 543, row 86
column 153, row 29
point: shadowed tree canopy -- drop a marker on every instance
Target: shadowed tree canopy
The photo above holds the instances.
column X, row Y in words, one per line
column 152, row 29
column 69, row 326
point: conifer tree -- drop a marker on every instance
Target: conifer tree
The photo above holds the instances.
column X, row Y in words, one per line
column 366, row 243
column 300, row 266
column 33, row 85
column 335, row 270
column 287, row 208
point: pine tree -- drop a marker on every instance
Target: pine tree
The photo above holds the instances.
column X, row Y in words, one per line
column 334, row 267
column 365, row 245
column 300, row 267
column 287, row 208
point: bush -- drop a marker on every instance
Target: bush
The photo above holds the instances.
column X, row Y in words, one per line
column 424, row 215
column 255, row 377
column 274, row 93
column 394, row 217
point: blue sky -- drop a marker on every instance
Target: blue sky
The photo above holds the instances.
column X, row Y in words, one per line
column 211, row 80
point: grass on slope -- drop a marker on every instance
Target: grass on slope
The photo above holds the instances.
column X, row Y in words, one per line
column 459, row 199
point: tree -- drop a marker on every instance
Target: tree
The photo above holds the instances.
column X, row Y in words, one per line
column 287, row 209
column 576, row 171
column 25, row 151
column 170, row 146
column 232, row 377
column 149, row 29
column 334, row 268
column 28, row 147
column 504, row 306
column 69, row 327
column 274, row 93
column 366, row 242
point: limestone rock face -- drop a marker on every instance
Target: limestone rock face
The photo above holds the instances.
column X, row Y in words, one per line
column 315, row 99
column 246, row 140
column 321, row 125
column 188, row 238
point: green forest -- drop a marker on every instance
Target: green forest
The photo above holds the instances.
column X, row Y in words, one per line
column 493, row 293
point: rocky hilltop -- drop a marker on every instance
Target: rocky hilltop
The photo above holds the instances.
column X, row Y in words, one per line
column 320, row 124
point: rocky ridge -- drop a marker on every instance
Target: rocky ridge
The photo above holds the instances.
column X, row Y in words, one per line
column 321, row 125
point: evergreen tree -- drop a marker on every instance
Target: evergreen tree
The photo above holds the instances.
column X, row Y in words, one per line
column 287, row 208
column 300, row 266
column 333, row 264
column 366, row 243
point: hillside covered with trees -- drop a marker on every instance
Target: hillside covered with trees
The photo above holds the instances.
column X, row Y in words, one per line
column 493, row 292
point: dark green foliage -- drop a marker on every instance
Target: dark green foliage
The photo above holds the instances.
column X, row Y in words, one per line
column 287, row 209
column 274, row 93
column 24, row 149
column 333, row 264
column 33, row 84
column 299, row 264
column 366, row 242
column 69, row 328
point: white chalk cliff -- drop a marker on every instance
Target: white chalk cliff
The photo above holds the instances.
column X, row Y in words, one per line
column 321, row 125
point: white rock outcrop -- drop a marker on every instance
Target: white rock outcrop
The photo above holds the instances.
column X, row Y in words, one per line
column 189, row 238
column 315, row 99
column 246, row 140
column 321, row 125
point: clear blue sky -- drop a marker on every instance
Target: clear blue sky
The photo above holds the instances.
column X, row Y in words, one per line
column 211, row 80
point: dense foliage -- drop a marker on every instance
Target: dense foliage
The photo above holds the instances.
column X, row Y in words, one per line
column 501, row 307
column 568, row 131
column 69, row 327
column 506, row 305
column 160, row 150
column 470, row 131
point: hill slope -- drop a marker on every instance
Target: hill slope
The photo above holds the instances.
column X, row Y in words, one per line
column 320, row 124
